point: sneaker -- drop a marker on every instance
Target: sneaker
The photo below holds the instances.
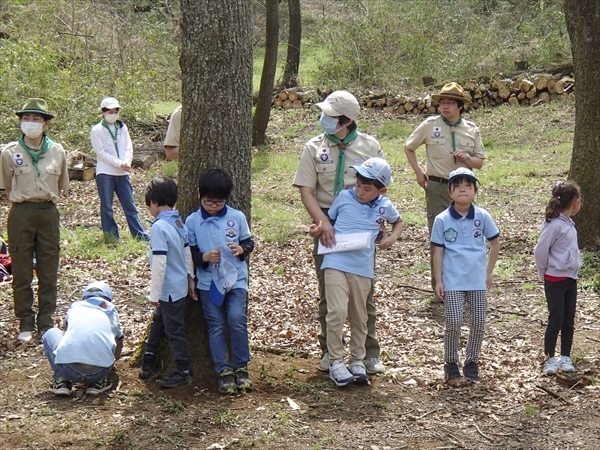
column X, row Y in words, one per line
column 227, row 384
column 339, row 374
column 324, row 364
column 25, row 336
column 98, row 387
column 374, row 366
column 550, row 366
column 148, row 366
column 359, row 371
column 61, row 387
column 176, row 379
column 565, row 364
column 451, row 371
column 471, row 371
column 242, row 379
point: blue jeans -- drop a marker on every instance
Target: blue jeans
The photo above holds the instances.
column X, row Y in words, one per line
column 71, row 371
column 231, row 313
column 108, row 185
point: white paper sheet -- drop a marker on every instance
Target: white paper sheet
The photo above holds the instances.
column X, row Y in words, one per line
column 347, row 242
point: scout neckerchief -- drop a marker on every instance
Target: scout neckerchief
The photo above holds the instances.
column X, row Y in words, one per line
column 173, row 218
column 341, row 164
column 36, row 155
column 452, row 125
column 115, row 137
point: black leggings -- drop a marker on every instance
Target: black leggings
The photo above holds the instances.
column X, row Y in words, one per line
column 562, row 298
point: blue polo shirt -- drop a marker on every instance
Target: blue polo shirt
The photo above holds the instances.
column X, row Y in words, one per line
column 165, row 239
column 208, row 232
column 464, row 265
column 352, row 216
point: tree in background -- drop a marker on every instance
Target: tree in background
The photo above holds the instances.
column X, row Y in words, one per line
column 267, row 79
column 292, row 62
column 216, row 73
column 583, row 23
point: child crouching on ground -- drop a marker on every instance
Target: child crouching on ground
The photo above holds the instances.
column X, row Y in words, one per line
column 349, row 274
column 461, row 273
column 220, row 241
column 171, row 281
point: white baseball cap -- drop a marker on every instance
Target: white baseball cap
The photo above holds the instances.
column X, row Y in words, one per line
column 340, row 103
column 375, row 169
column 462, row 172
column 109, row 103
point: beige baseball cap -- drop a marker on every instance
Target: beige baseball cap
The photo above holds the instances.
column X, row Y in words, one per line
column 340, row 103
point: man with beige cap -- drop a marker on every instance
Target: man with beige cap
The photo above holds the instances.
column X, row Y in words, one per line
column 450, row 142
column 323, row 171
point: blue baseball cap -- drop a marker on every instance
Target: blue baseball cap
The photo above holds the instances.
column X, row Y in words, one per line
column 462, row 172
column 375, row 169
column 98, row 289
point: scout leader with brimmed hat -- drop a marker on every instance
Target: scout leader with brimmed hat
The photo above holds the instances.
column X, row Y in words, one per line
column 450, row 142
column 34, row 170
column 324, row 171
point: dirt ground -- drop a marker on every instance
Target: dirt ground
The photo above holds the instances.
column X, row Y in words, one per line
column 294, row 405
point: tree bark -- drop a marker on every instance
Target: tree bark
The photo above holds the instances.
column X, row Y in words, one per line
column 267, row 78
column 583, row 23
column 292, row 62
column 216, row 73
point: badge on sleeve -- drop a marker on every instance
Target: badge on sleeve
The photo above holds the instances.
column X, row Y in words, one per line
column 437, row 131
column 323, row 154
column 18, row 157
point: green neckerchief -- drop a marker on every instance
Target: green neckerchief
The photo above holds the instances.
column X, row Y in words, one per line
column 36, row 155
column 115, row 137
column 341, row 164
column 452, row 125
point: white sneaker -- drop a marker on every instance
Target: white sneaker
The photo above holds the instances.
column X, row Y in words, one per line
column 550, row 366
column 374, row 365
column 25, row 336
column 565, row 364
column 359, row 371
column 339, row 374
column 324, row 364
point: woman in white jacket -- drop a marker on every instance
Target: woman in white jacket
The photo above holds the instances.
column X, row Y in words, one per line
column 114, row 152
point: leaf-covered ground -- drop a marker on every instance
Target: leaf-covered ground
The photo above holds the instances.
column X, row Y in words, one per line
column 295, row 406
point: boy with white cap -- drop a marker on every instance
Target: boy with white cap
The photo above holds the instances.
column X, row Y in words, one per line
column 114, row 153
column 349, row 275
column 324, row 171
column 462, row 275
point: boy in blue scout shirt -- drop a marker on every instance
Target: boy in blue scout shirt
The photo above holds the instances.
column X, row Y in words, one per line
column 220, row 241
column 171, row 281
column 461, row 272
column 86, row 351
column 348, row 274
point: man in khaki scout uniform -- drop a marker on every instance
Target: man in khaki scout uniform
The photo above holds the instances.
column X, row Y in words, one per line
column 173, row 133
column 34, row 171
column 450, row 142
column 323, row 171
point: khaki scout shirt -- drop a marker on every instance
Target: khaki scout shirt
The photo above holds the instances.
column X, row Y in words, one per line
column 319, row 161
column 24, row 183
column 437, row 137
column 174, row 130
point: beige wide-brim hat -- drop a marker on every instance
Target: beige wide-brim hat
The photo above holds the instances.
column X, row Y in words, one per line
column 452, row 91
column 35, row 106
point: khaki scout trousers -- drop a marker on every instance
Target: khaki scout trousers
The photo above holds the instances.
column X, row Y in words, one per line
column 346, row 297
column 437, row 199
column 33, row 230
column 371, row 343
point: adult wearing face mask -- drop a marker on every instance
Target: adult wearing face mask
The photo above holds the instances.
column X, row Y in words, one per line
column 323, row 171
column 34, row 171
column 114, row 153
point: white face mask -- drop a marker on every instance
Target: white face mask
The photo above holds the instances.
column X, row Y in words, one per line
column 32, row 129
column 111, row 118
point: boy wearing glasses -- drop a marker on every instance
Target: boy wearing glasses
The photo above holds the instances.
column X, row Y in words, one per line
column 220, row 241
column 450, row 142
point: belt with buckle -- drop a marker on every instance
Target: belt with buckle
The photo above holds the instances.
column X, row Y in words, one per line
column 437, row 179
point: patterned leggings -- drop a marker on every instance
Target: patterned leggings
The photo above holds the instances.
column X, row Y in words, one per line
column 454, row 302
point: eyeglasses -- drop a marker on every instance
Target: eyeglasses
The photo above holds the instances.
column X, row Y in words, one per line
column 447, row 103
column 207, row 202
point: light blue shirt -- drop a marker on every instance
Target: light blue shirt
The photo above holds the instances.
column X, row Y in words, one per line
column 208, row 232
column 91, row 334
column 167, row 240
column 352, row 216
column 464, row 265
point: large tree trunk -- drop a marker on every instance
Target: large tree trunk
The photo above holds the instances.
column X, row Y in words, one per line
column 216, row 72
column 267, row 79
column 292, row 62
column 583, row 23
